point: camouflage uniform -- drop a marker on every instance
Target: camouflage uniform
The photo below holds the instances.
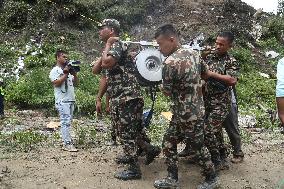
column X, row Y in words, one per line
column 217, row 101
column 126, row 101
column 182, row 80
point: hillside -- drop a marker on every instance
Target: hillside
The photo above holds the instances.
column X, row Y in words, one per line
column 32, row 30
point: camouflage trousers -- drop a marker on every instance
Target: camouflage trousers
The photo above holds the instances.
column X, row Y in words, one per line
column 214, row 119
column 193, row 133
column 128, row 120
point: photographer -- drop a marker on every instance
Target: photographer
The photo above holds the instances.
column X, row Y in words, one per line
column 63, row 78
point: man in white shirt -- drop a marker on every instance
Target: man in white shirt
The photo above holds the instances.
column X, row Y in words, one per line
column 63, row 80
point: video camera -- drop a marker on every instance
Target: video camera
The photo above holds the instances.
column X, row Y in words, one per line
column 74, row 65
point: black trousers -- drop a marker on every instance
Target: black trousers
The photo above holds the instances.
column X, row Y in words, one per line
column 232, row 128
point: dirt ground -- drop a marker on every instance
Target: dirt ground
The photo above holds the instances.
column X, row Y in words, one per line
column 48, row 167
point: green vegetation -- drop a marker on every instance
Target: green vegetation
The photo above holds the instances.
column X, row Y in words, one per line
column 22, row 140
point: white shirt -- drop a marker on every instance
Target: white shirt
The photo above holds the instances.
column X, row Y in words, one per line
column 64, row 93
column 280, row 74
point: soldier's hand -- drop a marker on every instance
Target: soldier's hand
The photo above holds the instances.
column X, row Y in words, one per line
column 99, row 106
column 66, row 70
column 229, row 80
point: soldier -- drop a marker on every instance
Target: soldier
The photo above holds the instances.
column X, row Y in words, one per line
column 182, row 82
column 232, row 128
column 217, row 96
column 126, row 100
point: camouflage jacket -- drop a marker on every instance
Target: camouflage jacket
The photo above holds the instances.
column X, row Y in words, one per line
column 215, row 92
column 182, row 80
column 122, row 84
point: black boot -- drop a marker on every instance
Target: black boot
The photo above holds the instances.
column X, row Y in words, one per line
column 140, row 152
column 152, row 152
column 132, row 173
column 210, row 182
column 216, row 160
column 170, row 182
column 224, row 160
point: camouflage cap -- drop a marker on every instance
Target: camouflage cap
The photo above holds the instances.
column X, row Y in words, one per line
column 111, row 23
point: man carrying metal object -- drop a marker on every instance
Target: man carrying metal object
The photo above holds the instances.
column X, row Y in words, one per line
column 181, row 75
column 126, row 100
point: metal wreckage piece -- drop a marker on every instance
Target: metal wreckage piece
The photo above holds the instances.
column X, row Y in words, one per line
column 149, row 60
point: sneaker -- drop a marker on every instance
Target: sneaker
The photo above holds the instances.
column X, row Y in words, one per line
column 150, row 156
column 128, row 175
column 70, row 148
column 123, row 159
column 210, row 182
column 237, row 159
column 166, row 183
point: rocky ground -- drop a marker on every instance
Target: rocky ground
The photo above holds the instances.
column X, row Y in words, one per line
column 45, row 165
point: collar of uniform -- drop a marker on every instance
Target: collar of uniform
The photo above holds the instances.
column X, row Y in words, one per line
column 221, row 57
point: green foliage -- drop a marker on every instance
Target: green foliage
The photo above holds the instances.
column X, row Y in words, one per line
column 244, row 57
column 274, row 27
column 254, row 91
column 280, row 8
column 14, row 14
column 32, row 90
column 23, row 141
column 157, row 129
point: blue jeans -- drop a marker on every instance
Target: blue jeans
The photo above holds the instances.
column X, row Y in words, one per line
column 65, row 110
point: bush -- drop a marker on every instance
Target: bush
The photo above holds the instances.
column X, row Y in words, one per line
column 14, row 14
column 32, row 90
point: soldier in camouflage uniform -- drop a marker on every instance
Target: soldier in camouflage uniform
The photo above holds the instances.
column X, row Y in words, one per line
column 126, row 100
column 217, row 96
column 182, row 82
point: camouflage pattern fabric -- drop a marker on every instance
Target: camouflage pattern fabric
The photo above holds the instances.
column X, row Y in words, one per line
column 122, row 83
column 128, row 118
column 182, row 80
column 217, row 102
column 126, row 101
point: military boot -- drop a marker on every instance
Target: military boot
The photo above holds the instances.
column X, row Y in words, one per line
column 123, row 159
column 140, row 152
column 210, row 182
column 133, row 172
column 216, row 160
column 170, row 182
column 152, row 152
column 225, row 165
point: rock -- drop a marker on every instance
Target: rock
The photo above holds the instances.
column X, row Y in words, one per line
column 247, row 121
column 271, row 54
column 53, row 125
